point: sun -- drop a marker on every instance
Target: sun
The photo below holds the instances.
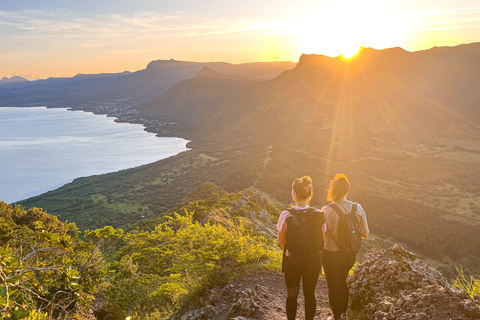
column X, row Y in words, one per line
column 342, row 28
column 350, row 52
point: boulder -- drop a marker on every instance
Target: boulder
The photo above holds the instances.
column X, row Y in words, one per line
column 395, row 284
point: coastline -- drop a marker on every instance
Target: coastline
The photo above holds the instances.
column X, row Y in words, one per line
column 56, row 161
column 121, row 113
column 128, row 114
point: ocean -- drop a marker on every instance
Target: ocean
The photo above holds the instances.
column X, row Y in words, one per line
column 42, row 149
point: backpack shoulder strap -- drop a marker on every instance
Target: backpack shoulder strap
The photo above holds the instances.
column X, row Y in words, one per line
column 354, row 208
column 354, row 211
column 340, row 214
column 292, row 211
column 336, row 209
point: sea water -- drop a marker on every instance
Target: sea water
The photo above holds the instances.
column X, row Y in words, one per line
column 42, row 149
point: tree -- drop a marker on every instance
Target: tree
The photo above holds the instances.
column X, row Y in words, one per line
column 44, row 274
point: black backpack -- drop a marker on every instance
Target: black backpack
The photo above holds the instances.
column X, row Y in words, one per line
column 348, row 237
column 304, row 238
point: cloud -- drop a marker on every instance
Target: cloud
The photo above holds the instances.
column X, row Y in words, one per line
column 62, row 23
column 94, row 45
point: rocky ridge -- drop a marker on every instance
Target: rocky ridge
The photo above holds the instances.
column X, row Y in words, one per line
column 395, row 284
column 386, row 285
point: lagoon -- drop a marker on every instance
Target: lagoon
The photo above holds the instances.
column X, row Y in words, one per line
column 42, row 149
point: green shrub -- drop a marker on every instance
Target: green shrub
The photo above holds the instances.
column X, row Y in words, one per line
column 179, row 259
column 44, row 274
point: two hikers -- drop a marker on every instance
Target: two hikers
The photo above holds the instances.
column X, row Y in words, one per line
column 301, row 234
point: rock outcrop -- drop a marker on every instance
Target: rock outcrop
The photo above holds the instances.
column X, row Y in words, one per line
column 255, row 209
column 251, row 210
column 394, row 284
column 232, row 302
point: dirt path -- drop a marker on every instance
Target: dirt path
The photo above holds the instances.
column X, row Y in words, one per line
column 259, row 296
column 271, row 299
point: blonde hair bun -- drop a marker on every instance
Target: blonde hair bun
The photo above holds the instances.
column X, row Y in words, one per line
column 303, row 188
column 306, row 181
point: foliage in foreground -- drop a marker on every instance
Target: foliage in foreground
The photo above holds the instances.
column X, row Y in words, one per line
column 46, row 271
column 177, row 260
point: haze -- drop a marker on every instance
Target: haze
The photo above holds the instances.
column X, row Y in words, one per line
column 54, row 38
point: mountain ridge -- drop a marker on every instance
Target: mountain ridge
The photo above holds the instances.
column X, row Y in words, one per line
column 125, row 88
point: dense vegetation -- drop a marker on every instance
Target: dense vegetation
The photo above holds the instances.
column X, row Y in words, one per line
column 50, row 273
column 179, row 259
column 46, row 271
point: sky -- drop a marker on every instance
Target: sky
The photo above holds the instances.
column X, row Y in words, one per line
column 60, row 38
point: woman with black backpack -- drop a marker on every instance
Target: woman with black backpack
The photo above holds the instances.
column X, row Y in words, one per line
column 342, row 241
column 301, row 239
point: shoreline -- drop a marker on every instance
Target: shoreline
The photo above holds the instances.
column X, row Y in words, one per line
column 114, row 112
column 126, row 114
column 122, row 114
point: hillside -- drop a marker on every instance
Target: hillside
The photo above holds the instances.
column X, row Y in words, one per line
column 386, row 91
column 404, row 126
column 216, row 260
column 209, row 72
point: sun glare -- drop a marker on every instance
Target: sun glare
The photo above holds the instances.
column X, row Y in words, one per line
column 345, row 26
column 350, row 53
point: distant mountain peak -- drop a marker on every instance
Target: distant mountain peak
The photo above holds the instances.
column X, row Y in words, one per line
column 209, row 72
column 14, row 79
column 308, row 61
column 170, row 62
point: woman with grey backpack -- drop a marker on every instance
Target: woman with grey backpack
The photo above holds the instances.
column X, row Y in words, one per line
column 345, row 224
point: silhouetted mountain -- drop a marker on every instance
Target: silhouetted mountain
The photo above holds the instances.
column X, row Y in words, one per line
column 12, row 82
column 380, row 90
column 55, row 91
column 14, row 79
column 126, row 87
column 161, row 75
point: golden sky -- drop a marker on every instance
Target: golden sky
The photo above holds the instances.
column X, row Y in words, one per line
column 40, row 39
